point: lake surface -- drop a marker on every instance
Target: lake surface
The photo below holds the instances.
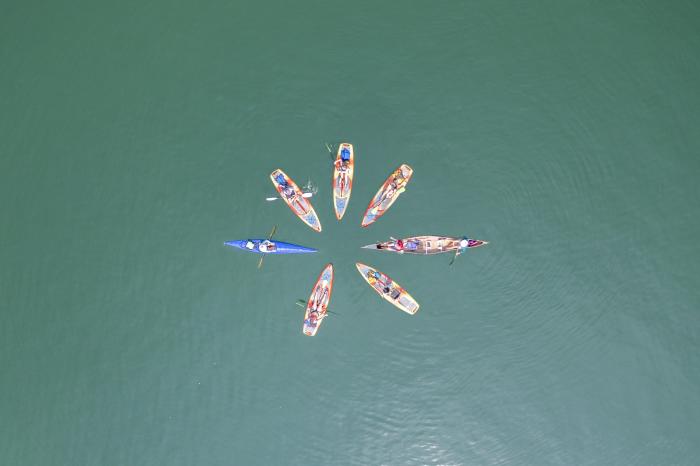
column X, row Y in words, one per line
column 137, row 137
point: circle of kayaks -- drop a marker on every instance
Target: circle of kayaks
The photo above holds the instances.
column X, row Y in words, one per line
column 316, row 309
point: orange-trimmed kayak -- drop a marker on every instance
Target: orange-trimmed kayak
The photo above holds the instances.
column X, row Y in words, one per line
column 344, row 168
column 387, row 194
column 294, row 197
column 317, row 305
column 388, row 289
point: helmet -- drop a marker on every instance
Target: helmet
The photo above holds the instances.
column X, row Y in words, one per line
column 345, row 154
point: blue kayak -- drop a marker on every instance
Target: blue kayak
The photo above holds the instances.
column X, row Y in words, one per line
column 263, row 246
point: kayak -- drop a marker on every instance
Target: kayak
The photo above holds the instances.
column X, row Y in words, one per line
column 263, row 246
column 388, row 289
column 317, row 305
column 427, row 245
column 387, row 194
column 294, row 197
column 342, row 178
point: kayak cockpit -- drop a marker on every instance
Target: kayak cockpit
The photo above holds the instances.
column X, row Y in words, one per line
column 267, row 246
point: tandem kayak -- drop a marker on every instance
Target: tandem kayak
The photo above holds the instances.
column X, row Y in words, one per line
column 294, row 197
column 388, row 289
column 263, row 246
column 344, row 168
column 427, row 245
column 317, row 305
column 387, row 194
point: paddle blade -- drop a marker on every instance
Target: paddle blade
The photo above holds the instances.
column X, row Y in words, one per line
column 272, row 233
column 330, row 151
column 454, row 257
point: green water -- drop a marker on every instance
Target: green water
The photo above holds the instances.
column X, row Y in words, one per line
column 136, row 137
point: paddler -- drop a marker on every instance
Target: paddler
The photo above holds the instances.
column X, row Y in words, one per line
column 373, row 277
column 290, row 193
column 287, row 190
column 342, row 163
column 311, row 321
column 267, row 246
column 318, row 298
column 395, row 187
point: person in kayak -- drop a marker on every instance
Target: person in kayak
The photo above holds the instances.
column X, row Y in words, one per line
column 398, row 246
column 287, row 190
column 397, row 186
column 372, row 277
column 312, row 320
column 318, row 298
column 267, row 246
column 342, row 164
column 393, row 292
column 290, row 194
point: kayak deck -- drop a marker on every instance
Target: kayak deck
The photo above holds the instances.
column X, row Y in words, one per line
column 388, row 289
column 317, row 305
column 342, row 179
column 392, row 188
column 427, row 245
column 295, row 199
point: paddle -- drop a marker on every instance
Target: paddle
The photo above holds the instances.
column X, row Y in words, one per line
column 458, row 252
column 309, row 188
column 330, row 152
column 303, row 303
column 307, row 195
